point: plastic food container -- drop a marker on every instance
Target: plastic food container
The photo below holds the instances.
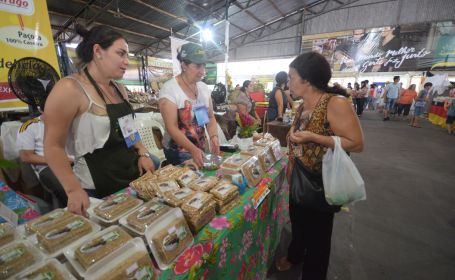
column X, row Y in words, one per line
column 168, row 237
column 204, row 184
column 93, row 248
column 7, row 234
column 235, row 161
column 111, row 210
column 264, row 155
column 164, row 186
column 47, row 220
column 177, row 197
column 144, row 216
column 43, row 270
column 186, row 176
column 130, row 261
column 252, row 171
column 276, row 150
column 167, row 171
column 199, row 210
column 17, row 256
column 212, row 162
column 53, row 241
column 144, row 186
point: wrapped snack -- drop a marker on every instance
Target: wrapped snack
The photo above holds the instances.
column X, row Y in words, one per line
column 177, row 197
column 276, row 150
column 199, row 210
column 140, row 219
column 167, row 171
column 252, row 150
column 252, row 171
column 115, row 207
column 162, row 187
column 266, row 158
column 7, row 234
column 230, row 205
column 224, row 191
column 50, row 269
column 100, row 245
column 235, row 161
column 144, row 186
column 62, row 234
column 16, row 257
column 204, row 184
column 169, row 237
column 56, row 216
column 186, row 176
column 265, row 141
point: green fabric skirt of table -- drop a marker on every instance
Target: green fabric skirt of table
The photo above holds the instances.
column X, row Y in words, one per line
column 240, row 244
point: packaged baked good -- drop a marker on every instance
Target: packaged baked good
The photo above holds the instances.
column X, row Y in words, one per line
column 169, row 237
column 131, row 261
column 276, row 150
column 144, row 186
column 16, row 257
column 186, row 176
column 7, row 234
column 224, row 191
column 164, row 186
column 143, row 217
column 229, row 206
column 50, row 218
column 264, row 154
column 252, row 150
column 175, row 198
column 167, row 171
column 204, row 184
column 116, row 206
column 265, row 141
column 235, row 161
column 253, row 172
column 60, row 235
column 49, row 269
column 100, row 245
column 199, row 210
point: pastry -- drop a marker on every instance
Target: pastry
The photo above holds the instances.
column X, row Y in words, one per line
column 186, row 177
column 175, row 198
column 15, row 258
column 144, row 186
column 56, row 216
column 162, row 187
column 204, row 184
column 224, row 191
column 199, row 210
column 148, row 213
column 116, row 206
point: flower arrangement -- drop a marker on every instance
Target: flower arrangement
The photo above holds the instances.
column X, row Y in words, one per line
column 247, row 124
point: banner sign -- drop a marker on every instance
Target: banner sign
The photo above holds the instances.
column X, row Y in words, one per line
column 159, row 72
column 413, row 47
column 25, row 31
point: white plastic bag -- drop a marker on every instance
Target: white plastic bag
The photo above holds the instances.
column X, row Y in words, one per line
column 342, row 181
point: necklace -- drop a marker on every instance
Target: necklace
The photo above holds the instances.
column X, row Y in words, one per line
column 193, row 90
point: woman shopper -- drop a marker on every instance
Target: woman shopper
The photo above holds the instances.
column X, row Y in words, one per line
column 361, row 97
column 91, row 111
column 406, row 98
column 244, row 102
column 186, row 106
column 324, row 113
column 419, row 105
column 277, row 99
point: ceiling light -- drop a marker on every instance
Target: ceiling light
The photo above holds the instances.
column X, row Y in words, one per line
column 207, row 34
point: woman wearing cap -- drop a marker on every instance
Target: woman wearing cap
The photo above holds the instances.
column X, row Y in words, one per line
column 277, row 99
column 186, row 107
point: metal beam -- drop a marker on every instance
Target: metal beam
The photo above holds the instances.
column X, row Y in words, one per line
column 276, row 7
column 161, row 11
column 73, row 18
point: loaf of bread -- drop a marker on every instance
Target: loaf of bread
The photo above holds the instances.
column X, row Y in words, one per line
column 15, row 258
column 137, row 266
column 204, row 184
column 178, row 197
column 172, row 240
column 146, row 215
column 63, row 234
column 116, row 206
column 97, row 248
column 53, row 217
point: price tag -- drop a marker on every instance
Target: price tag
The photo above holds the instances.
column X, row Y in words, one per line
column 257, row 200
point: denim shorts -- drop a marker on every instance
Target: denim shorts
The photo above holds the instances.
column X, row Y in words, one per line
column 450, row 119
column 390, row 103
column 418, row 110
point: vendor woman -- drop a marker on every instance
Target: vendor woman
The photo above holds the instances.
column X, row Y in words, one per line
column 88, row 113
column 186, row 107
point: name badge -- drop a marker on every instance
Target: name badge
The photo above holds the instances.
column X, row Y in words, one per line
column 202, row 115
column 129, row 131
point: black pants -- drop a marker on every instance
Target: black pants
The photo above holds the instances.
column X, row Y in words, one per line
column 360, row 105
column 311, row 241
column 53, row 184
column 404, row 107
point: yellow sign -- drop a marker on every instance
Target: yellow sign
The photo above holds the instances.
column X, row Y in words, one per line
column 25, row 31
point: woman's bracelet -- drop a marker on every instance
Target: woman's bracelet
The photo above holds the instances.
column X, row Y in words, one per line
column 214, row 135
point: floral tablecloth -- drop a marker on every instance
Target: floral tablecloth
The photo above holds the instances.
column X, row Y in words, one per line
column 21, row 205
column 242, row 243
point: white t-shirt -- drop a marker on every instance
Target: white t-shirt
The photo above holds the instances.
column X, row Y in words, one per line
column 30, row 137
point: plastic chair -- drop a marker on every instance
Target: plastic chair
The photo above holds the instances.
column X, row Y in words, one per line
column 145, row 128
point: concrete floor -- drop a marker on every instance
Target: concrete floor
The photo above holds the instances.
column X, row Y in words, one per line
column 406, row 227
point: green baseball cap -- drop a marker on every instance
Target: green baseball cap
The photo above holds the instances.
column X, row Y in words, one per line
column 194, row 53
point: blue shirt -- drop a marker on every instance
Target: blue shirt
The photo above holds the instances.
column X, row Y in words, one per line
column 451, row 111
column 393, row 90
column 421, row 98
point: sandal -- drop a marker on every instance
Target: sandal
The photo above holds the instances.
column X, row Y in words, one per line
column 283, row 264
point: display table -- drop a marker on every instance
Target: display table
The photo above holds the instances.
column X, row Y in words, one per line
column 279, row 130
column 242, row 243
column 437, row 115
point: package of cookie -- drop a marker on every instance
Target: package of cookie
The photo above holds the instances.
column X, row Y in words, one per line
column 276, row 150
column 235, row 161
column 48, row 269
column 164, row 186
column 169, row 237
column 113, row 208
column 204, row 184
column 93, row 248
column 252, row 171
column 55, row 238
column 229, row 206
column 186, row 176
column 44, row 221
column 7, row 234
column 224, row 191
column 131, row 261
column 144, row 186
column 144, row 216
column 167, row 171
column 199, row 210
column 16, row 257
column 177, row 197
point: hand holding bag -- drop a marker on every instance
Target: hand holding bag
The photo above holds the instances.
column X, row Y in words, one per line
column 342, row 181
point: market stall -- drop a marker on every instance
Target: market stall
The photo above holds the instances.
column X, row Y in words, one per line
column 437, row 113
